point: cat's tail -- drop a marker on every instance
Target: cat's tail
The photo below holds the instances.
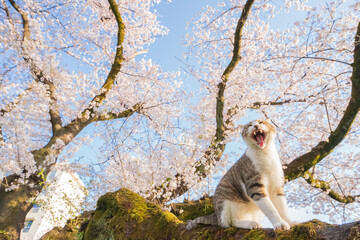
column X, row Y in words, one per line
column 209, row 220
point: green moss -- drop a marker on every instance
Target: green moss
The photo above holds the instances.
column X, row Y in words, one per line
column 303, row 231
column 231, row 230
column 204, row 235
column 4, row 235
column 80, row 235
column 193, row 209
column 255, row 234
column 164, row 218
column 232, row 233
column 126, row 215
column 60, row 234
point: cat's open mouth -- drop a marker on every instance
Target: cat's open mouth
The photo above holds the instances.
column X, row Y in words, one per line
column 259, row 136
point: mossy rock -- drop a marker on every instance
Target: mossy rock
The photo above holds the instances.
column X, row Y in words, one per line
column 126, row 215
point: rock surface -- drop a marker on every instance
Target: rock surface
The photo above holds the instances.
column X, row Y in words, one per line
column 126, row 215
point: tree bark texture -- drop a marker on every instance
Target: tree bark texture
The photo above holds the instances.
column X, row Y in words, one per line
column 15, row 204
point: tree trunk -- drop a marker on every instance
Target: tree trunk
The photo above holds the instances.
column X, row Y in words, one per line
column 14, row 205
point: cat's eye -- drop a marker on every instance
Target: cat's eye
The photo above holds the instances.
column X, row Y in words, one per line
column 261, row 122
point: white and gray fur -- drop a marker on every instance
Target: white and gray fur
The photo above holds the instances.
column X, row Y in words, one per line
column 253, row 186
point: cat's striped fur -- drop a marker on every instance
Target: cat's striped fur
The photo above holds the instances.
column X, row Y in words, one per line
column 253, row 186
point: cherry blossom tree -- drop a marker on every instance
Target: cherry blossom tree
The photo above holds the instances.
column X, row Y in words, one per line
column 72, row 72
column 66, row 65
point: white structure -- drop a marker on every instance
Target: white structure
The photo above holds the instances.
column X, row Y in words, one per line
column 61, row 200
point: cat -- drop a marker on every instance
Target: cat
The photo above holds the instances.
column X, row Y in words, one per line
column 253, row 186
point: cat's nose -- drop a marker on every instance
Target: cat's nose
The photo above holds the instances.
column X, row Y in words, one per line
column 256, row 126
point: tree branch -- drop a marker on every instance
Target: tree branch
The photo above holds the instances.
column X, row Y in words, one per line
column 322, row 59
column 222, row 14
column 116, row 66
column 70, row 131
column 217, row 146
column 324, row 186
column 237, row 41
column 303, row 163
column 5, row 8
column 124, row 114
column 55, row 118
column 24, row 18
column 257, row 105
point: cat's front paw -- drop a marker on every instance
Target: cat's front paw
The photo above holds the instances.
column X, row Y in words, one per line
column 253, row 225
column 247, row 224
column 282, row 225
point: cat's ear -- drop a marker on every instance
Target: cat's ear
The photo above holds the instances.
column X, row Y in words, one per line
column 243, row 128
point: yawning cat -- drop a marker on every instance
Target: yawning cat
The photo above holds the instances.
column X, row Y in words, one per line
column 253, row 187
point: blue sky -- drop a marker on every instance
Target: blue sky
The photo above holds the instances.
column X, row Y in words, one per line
column 174, row 16
column 177, row 14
